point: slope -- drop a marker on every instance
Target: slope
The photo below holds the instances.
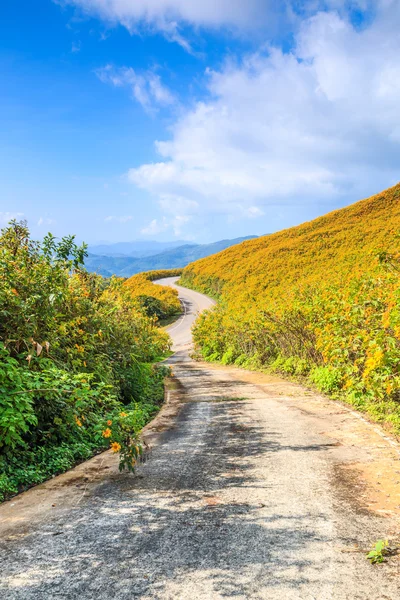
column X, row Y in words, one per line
column 321, row 299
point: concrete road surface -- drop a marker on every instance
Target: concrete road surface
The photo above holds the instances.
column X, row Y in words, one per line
column 255, row 488
column 193, row 304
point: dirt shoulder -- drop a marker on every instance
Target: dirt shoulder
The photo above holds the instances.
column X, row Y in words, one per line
column 371, row 456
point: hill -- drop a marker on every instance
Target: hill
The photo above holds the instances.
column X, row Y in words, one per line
column 126, row 266
column 321, row 299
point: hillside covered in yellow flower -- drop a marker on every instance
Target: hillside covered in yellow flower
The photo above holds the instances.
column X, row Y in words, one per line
column 160, row 301
column 321, row 300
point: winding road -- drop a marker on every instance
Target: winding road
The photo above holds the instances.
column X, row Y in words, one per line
column 255, row 488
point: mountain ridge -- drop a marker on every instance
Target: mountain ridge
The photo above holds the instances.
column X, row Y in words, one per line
column 180, row 256
column 135, row 248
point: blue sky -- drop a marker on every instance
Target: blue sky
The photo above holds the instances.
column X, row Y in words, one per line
column 174, row 119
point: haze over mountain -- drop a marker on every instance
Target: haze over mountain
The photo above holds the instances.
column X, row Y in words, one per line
column 137, row 248
column 116, row 263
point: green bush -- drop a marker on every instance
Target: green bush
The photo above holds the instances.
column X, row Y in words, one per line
column 228, row 357
column 293, row 365
column 74, row 349
column 327, row 379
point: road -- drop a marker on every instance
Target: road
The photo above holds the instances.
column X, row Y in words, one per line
column 193, row 304
column 256, row 488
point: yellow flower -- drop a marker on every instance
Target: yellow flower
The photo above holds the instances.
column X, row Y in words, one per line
column 106, row 433
column 109, row 422
column 115, row 447
column 123, row 414
column 78, row 421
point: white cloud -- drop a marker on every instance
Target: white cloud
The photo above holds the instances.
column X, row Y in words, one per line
column 173, row 204
column 175, row 224
column 314, row 124
column 171, row 16
column 165, row 15
column 6, row 217
column 146, row 87
column 155, row 227
column 123, row 219
column 45, row 221
column 254, row 211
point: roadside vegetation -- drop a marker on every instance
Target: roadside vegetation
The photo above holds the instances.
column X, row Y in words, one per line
column 78, row 355
column 321, row 300
column 157, row 301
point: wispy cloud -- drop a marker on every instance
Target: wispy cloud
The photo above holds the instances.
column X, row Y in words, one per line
column 6, row 217
column 175, row 225
column 170, row 16
column 45, row 221
column 76, row 47
column 155, row 227
column 146, row 86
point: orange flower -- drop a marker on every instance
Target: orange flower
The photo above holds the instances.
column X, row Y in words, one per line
column 106, row 433
column 123, row 414
column 78, row 421
column 109, row 422
column 115, row 447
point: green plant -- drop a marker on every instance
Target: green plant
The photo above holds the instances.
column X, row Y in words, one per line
column 122, row 431
column 379, row 551
column 327, row 379
column 228, row 357
column 74, row 349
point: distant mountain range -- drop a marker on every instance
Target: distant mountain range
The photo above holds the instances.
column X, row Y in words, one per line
column 137, row 249
column 128, row 258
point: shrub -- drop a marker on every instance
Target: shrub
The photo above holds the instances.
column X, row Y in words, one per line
column 228, row 357
column 74, row 349
column 158, row 300
column 327, row 379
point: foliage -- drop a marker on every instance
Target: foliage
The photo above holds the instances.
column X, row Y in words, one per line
column 321, row 299
column 162, row 273
column 74, row 349
column 122, row 429
column 327, row 379
column 158, row 301
column 379, row 551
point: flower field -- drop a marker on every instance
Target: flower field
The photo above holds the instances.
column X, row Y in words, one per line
column 321, row 300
